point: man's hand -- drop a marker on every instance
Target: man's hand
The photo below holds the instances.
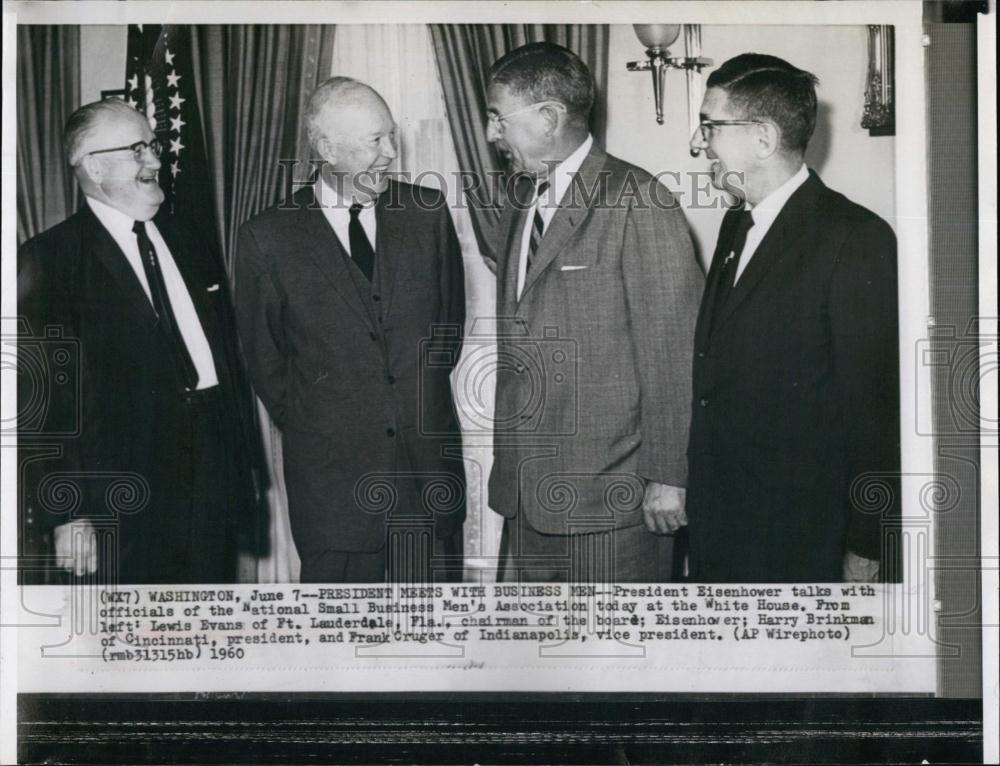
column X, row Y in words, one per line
column 663, row 508
column 79, row 559
column 859, row 569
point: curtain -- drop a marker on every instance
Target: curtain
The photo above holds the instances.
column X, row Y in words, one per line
column 252, row 83
column 398, row 61
column 48, row 91
column 464, row 55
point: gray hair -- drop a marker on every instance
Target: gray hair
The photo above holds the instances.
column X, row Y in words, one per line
column 545, row 71
column 327, row 91
column 83, row 122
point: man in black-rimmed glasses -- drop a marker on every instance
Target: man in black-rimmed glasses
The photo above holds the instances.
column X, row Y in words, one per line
column 796, row 379
column 158, row 457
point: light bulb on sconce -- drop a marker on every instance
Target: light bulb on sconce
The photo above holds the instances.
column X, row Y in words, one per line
column 657, row 38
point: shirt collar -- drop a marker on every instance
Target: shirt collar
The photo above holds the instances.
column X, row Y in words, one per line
column 114, row 220
column 562, row 174
column 327, row 196
column 768, row 208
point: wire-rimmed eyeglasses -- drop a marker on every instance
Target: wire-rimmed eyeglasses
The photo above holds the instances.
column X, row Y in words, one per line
column 138, row 149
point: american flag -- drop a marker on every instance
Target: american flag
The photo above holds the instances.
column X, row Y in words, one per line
column 159, row 83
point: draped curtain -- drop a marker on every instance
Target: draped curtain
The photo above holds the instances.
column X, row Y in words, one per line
column 48, row 90
column 464, row 55
column 252, row 83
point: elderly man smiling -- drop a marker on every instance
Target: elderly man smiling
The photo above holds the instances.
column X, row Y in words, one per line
column 162, row 407
column 351, row 302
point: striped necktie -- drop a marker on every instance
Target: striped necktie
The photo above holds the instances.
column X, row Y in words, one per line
column 537, row 225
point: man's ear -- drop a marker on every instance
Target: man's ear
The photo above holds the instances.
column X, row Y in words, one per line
column 327, row 151
column 91, row 168
column 550, row 113
column 767, row 139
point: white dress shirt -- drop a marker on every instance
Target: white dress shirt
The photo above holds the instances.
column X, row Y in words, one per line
column 119, row 226
column 338, row 214
column 764, row 214
column 559, row 181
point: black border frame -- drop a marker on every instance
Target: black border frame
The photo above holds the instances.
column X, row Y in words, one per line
column 499, row 728
column 496, row 728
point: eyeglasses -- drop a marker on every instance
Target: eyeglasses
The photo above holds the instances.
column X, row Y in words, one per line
column 138, row 149
column 705, row 127
column 495, row 121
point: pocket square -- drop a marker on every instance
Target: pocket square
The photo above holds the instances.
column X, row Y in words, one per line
column 571, row 268
column 212, row 288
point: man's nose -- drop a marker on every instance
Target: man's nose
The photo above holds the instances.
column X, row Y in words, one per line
column 697, row 142
column 149, row 159
column 492, row 131
column 388, row 149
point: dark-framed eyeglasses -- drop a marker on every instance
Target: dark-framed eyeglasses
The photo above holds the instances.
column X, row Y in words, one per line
column 705, row 127
column 138, row 149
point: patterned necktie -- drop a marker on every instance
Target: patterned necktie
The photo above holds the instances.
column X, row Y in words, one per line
column 361, row 248
column 161, row 304
column 537, row 225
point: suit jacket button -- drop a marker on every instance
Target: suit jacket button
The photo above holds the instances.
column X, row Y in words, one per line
column 390, row 432
column 391, row 379
column 701, row 354
column 376, row 298
column 373, row 336
column 703, row 402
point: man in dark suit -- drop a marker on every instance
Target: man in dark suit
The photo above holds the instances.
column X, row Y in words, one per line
column 796, row 381
column 160, row 469
column 351, row 302
column 597, row 293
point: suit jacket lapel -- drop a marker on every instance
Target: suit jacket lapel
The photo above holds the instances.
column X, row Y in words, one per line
column 706, row 315
column 103, row 245
column 570, row 214
column 779, row 242
column 509, row 254
column 191, row 271
column 323, row 248
column 390, row 232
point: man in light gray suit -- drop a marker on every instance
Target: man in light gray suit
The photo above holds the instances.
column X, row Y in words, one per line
column 598, row 291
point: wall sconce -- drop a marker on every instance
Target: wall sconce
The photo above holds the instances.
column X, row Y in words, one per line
column 880, row 102
column 657, row 38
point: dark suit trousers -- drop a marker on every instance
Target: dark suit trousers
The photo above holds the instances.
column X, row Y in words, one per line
column 198, row 544
column 632, row 554
column 412, row 552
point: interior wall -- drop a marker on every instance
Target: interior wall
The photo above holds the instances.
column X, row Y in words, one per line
column 841, row 151
column 103, row 49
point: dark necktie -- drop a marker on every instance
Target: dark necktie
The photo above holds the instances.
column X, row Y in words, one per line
column 161, row 304
column 727, row 279
column 537, row 226
column 361, row 249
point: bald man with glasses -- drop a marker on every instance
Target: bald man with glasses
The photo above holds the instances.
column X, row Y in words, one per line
column 160, row 455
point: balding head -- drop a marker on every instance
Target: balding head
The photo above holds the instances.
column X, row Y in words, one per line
column 112, row 150
column 83, row 128
column 336, row 95
column 351, row 129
